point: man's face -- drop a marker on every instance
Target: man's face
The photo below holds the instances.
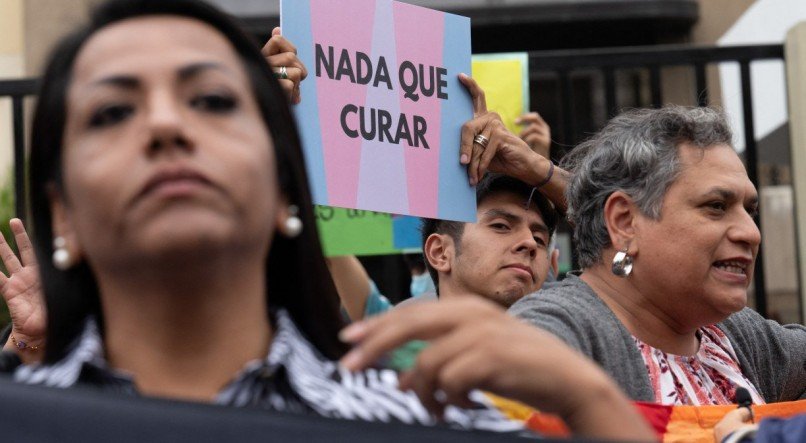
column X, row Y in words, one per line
column 502, row 257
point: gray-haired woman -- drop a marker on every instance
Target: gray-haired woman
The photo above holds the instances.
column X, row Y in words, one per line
column 663, row 211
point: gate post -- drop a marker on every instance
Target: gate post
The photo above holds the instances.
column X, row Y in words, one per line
column 795, row 56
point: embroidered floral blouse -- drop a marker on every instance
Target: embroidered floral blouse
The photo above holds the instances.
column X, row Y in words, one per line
column 710, row 377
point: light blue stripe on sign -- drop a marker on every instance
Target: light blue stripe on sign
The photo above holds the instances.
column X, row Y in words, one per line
column 457, row 199
column 296, row 24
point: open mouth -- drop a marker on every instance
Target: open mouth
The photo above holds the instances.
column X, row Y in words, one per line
column 732, row 266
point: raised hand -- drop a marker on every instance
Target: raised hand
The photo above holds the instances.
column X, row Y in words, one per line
column 536, row 133
column 22, row 291
column 476, row 345
column 282, row 57
column 503, row 152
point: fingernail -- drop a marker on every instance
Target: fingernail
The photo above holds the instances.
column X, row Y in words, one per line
column 518, row 120
column 352, row 333
column 464, row 159
column 352, row 360
column 463, row 75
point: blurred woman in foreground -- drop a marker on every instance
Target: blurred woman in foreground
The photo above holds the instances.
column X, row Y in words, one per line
column 174, row 231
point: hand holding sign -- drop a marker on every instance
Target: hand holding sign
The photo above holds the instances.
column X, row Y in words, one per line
column 383, row 106
column 505, row 153
column 282, row 57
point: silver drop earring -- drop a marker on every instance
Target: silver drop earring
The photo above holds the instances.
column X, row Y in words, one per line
column 293, row 224
column 622, row 264
column 61, row 256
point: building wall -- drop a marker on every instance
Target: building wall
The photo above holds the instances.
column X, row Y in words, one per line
column 46, row 21
column 11, row 66
column 716, row 17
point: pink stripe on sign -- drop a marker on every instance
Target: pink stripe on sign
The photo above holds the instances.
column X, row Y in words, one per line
column 419, row 35
column 335, row 23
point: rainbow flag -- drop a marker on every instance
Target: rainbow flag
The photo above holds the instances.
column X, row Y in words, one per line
column 689, row 424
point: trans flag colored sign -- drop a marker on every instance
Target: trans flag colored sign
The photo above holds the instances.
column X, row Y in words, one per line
column 382, row 107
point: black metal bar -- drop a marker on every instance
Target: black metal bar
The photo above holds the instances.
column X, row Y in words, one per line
column 665, row 55
column 655, row 86
column 751, row 156
column 567, row 106
column 19, row 157
column 610, row 91
column 702, row 84
column 21, row 87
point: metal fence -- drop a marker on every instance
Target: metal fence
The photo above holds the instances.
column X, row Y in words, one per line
column 17, row 90
column 562, row 64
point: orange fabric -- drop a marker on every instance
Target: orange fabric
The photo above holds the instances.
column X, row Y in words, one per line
column 695, row 424
column 689, row 424
column 549, row 425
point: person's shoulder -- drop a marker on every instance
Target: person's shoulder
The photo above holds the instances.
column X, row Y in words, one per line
column 427, row 296
column 748, row 325
column 749, row 318
column 571, row 291
column 570, row 301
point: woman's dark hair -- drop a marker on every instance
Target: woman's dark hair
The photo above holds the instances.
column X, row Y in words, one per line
column 297, row 277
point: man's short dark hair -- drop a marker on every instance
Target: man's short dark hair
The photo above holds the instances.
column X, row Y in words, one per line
column 491, row 184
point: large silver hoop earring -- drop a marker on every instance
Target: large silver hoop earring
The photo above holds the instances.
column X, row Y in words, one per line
column 622, row 264
column 293, row 224
column 61, row 256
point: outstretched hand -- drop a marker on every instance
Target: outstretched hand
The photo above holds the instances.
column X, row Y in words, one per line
column 476, row 345
column 22, row 292
column 281, row 53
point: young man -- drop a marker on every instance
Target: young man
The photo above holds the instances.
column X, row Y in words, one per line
column 503, row 257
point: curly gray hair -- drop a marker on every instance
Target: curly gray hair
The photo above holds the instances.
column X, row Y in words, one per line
column 636, row 153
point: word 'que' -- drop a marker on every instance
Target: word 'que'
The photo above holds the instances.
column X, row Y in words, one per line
column 414, row 80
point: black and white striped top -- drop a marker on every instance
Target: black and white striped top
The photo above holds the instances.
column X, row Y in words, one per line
column 294, row 377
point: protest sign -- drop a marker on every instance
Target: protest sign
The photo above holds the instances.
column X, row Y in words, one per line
column 359, row 232
column 354, row 231
column 505, row 80
column 406, row 233
column 382, row 108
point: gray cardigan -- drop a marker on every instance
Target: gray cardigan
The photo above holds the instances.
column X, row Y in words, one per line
column 771, row 356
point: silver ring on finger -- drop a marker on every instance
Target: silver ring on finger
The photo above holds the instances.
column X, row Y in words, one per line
column 283, row 74
column 481, row 141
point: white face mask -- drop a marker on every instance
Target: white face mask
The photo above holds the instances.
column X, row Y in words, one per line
column 421, row 284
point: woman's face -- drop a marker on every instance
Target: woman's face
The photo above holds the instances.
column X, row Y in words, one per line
column 165, row 152
column 696, row 262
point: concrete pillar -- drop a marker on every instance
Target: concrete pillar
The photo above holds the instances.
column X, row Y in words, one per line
column 11, row 66
column 46, row 21
column 795, row 47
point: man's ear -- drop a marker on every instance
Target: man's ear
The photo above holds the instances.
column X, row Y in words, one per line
column 439, row 251
column 621, row 215
column 62, row 225
column 554, row 261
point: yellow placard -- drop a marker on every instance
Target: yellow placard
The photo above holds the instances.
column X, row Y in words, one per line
column 505, row 80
